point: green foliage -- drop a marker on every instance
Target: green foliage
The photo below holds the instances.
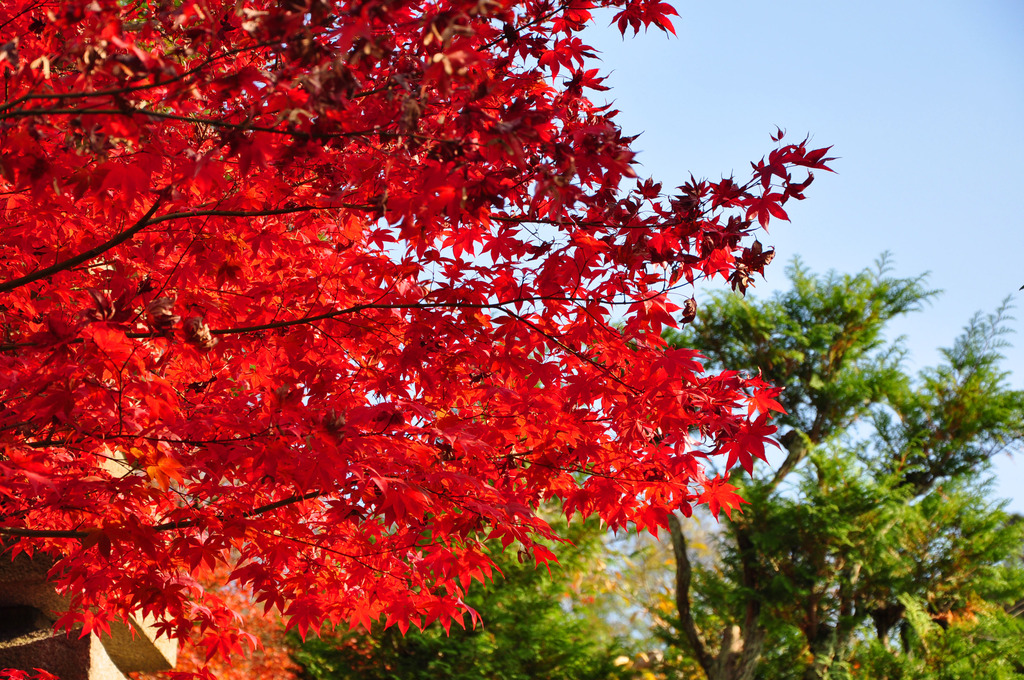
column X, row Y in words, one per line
column 983, row 646
column 873, row 550
column 533, row 628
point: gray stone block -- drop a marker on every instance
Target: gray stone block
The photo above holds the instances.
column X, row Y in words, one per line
column 28, row 607
column 66, row 656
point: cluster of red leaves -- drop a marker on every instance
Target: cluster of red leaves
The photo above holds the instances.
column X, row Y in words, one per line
column 265, row 651
column 330, row 291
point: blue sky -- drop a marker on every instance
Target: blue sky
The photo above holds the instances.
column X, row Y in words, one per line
column 924, row 104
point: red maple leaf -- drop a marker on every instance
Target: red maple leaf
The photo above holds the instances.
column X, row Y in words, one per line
column 748, row 442
column 763, row 401
column 721, row 496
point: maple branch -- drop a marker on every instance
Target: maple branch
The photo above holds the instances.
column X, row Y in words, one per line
column 87, row 255
column 147, row 220
column 107, row 436
column 23, row 12
column 539, row 20
column 185, row 524
column 526, row 219
column 255, row 213
column 212, row 122
column 349, row 310
column 575, row 353
column 353, row 310
column 200, row 442
column 43, row 533
column 273, row 325
column 166, row 526
column 354, row 558
column 128, row 89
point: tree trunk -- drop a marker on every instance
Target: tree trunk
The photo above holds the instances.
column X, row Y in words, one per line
column 741, row 648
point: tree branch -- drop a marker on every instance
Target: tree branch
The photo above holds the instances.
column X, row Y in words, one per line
column 166, row 526
column 148, row 220
column 129, row 89
column 117, row 240
column 212, row 122
column 273, row 325
column 184, row 524
column 684, row 572
column 796, row 446
column 753, row 632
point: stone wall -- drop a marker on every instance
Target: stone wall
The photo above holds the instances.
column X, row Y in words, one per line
column 28, row 608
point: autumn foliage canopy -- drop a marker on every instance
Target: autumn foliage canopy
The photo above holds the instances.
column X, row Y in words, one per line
column 325, row 294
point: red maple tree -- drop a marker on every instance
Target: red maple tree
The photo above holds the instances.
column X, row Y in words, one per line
column 329, row 292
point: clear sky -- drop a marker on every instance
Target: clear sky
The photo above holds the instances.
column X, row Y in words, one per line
column 924, row 104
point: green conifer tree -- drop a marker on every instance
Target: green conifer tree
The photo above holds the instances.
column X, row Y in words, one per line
column 873, row 549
